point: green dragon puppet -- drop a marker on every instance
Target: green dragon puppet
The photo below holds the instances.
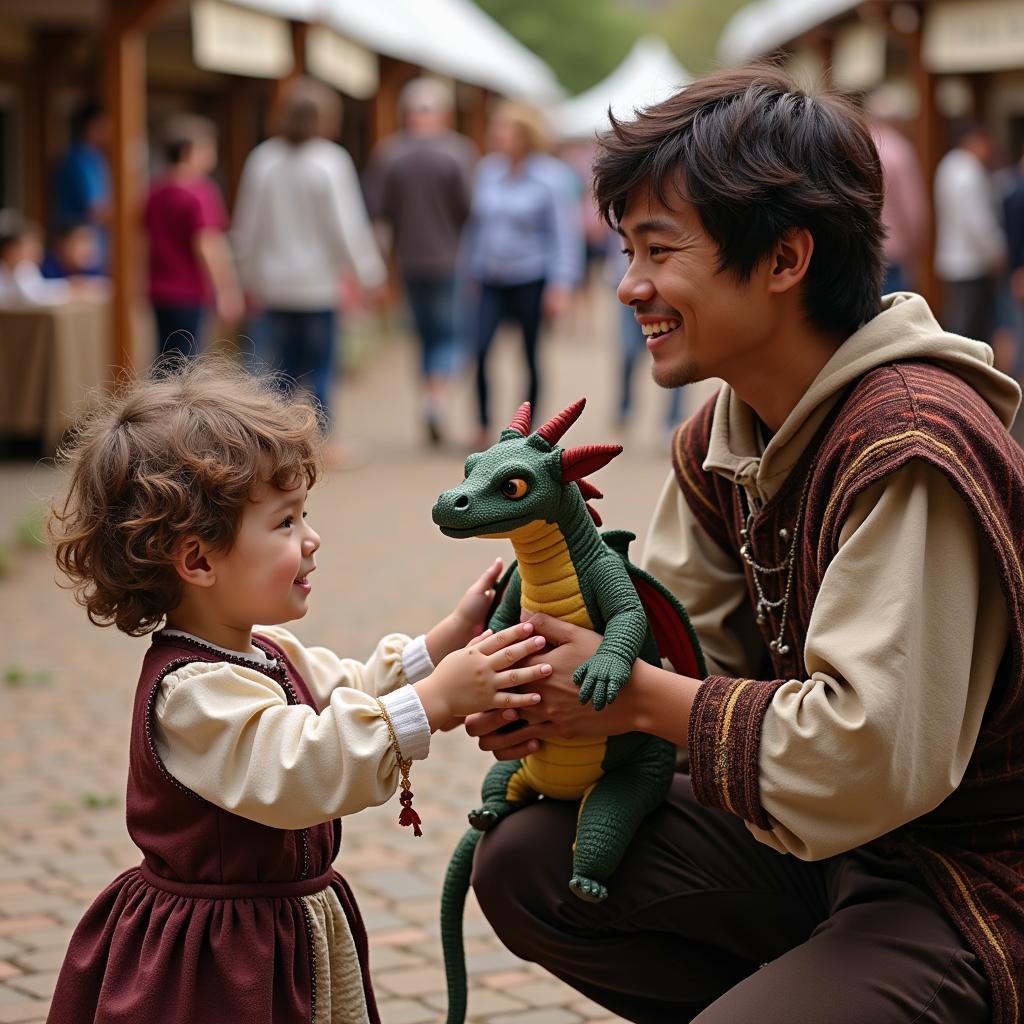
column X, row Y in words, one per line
column 530, row 490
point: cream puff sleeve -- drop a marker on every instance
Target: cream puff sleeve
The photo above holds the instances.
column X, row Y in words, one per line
column 227, row 732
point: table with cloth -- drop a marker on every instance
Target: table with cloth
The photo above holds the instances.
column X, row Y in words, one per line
column 53, row 359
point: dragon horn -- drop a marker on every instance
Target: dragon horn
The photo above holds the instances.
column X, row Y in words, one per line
column 555, row 427
column 521, row 421
column 580, row 462
column 588, row 490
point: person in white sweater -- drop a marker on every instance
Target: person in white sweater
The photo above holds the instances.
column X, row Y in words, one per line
column 299, row 221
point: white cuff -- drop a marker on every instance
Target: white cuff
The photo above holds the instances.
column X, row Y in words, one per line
column 409, row 720
column 416, row 661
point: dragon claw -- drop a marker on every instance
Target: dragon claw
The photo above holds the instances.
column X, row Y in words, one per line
column 600, row 683
column 482, row 819
column 588, row 890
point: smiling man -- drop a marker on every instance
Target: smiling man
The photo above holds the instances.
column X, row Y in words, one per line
column 844, row 524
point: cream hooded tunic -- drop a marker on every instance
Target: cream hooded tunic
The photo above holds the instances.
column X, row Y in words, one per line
column 907, row 629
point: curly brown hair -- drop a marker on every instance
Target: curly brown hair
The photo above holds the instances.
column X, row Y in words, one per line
column 172, row 455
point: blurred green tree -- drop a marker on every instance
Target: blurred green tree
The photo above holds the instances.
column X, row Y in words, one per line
column 582, row 40
column 692, row 29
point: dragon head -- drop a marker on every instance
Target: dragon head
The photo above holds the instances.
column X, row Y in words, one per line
column 523, row 478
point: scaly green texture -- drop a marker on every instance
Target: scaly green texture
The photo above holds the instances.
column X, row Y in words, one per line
column 527, row 488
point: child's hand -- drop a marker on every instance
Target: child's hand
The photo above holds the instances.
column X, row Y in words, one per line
column 469, row 617
column 475, row 603
column 471, row 679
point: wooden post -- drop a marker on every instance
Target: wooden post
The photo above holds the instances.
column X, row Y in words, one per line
column 393, row 75
column 927, row 141
column 475, row 123
column 299, row 30
column 50, row 56
column 125, row 89
column 240, row 134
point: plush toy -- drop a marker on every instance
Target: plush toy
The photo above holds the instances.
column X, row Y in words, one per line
column 530, row 490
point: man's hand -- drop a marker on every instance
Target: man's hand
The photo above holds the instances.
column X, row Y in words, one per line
column 555, row 300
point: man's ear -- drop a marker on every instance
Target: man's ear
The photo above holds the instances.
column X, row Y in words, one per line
column 790, row 259
column 192, row 564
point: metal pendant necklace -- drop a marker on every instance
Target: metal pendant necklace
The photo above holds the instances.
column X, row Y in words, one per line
column 787, row 566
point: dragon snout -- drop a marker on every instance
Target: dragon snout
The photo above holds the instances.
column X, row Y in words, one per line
column 450, row 508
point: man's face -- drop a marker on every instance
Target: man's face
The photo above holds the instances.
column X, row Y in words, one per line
column 715, row 323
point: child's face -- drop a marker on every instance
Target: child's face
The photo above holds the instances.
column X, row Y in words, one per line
column 264, row 578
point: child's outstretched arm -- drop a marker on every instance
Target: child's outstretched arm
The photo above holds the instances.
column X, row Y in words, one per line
column 228, row 733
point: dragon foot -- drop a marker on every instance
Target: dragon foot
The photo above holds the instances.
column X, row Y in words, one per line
column 483, row 819
column 588, row 890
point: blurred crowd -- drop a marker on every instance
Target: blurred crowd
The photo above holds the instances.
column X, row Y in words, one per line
column 473, row 241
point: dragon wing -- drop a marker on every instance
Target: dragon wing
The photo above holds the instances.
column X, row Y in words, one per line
column 673, row 632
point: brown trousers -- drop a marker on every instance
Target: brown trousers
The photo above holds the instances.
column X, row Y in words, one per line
column 704, row 923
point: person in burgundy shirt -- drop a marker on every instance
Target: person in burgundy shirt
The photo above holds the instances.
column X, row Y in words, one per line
column 190, row 265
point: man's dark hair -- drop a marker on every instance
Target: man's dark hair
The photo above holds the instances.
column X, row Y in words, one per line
column 83, row 115
column 758, row 157
column 181, row 132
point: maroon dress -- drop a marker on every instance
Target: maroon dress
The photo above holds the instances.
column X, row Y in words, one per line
column 211, row 927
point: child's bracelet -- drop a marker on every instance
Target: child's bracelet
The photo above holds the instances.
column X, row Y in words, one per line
column 408, row 815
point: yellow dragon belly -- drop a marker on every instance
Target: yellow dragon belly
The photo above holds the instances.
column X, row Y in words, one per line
column 561, row 769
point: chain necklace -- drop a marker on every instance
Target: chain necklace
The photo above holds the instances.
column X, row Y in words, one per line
column 787, row 566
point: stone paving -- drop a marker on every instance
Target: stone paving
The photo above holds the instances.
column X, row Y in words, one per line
column 66, row 688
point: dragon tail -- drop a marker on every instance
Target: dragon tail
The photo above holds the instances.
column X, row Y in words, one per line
column 453, row 904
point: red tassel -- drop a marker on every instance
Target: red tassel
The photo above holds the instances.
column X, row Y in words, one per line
column 408, row 815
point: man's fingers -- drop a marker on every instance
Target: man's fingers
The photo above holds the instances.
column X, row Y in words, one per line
column 516, row 752
column 502, row 743
column 553, row 630
column 485, row 722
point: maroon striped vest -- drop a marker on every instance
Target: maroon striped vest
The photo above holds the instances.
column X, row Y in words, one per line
column 970, row 849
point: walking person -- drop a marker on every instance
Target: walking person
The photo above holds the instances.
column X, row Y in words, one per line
column 81, row 181
column 300, row 220
column 905, row 207
column 970, row 248
column 418, row 189
column 524, row 244
column 191, row 269
column 843, row 522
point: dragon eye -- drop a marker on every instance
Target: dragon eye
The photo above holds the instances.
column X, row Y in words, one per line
column 515, row 488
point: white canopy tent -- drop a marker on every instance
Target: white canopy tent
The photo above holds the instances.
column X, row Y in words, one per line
column 453, row 38
column 762, row 27
column 648, row 74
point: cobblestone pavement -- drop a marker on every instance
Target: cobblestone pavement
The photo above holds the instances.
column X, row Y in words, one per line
column 66, row 689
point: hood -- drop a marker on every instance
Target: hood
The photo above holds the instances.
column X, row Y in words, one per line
column 904, row 330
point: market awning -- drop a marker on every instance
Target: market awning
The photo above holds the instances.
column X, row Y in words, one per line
column 454, row 38
column 648, row 74
column 974, row 35
column 240, row 41
column 763, row 27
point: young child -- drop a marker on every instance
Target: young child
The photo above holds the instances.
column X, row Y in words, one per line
column 21, row 251
column 185, row 515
